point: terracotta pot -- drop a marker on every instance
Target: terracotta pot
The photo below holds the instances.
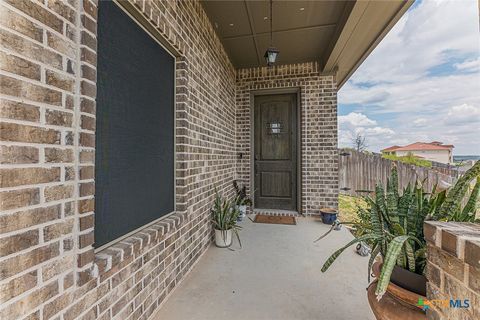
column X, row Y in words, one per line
column 392, row 306
column 396, row 304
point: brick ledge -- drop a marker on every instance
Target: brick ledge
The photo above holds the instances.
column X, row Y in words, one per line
column 113, row 258
column 459, row 239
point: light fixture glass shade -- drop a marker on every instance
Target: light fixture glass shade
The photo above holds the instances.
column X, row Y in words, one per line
column 271, row 56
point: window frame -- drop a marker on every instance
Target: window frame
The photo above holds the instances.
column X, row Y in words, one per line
column 158, row 38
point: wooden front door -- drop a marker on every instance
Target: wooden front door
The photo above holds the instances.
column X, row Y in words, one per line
column 275, row 157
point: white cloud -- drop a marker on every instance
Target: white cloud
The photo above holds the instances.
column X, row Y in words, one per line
column 356, row 119
column 423, row 79
column 377, row 131
column 425, row 37
column 462, row 115
column 420, row 121
column 398, row 142
column 469, row 65
column 357, row 123
column 426, row 94
column 464, row 109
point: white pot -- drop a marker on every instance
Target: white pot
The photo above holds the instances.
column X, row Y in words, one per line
column 223, row 238
column 243, row 210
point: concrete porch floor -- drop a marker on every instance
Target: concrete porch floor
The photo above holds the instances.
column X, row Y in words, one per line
column 276, row 275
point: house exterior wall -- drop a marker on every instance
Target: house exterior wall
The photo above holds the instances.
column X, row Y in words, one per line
column 48, row 267
column 453, row 270
column 318, row 128
column 442, row 156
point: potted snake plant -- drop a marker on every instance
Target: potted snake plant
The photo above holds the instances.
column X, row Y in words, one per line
column 224, row 219
column 392, row 227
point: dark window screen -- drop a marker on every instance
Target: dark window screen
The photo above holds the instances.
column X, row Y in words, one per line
column 134, row 156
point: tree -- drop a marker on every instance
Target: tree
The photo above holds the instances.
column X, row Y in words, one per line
column 359, row 143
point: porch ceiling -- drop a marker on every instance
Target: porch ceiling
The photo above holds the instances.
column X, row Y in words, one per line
column 337, row 34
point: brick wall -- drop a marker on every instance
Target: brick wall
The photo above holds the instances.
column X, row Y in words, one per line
column 318, row 130
column 453, row 268
column 48, row 268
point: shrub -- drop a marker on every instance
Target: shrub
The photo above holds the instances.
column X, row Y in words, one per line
column 409, row 159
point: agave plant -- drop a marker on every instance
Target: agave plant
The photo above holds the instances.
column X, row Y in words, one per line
column 445, row 205
column 224, row 216
column 451, row 208
column 393, row 225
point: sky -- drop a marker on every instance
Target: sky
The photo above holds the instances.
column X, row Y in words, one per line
column 421, row 83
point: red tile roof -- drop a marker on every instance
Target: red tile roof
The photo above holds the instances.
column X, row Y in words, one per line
column 418, row 146
column 391, row 148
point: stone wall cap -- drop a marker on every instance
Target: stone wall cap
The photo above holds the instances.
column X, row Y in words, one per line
column 460, row 239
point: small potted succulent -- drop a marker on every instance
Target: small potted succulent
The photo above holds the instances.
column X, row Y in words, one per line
column 224, row 219
column 241, row 200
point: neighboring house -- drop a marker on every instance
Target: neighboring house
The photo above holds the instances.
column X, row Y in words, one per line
column 433, row 151
column 119, row 123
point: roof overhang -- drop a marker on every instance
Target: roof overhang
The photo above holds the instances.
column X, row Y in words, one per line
column 338, row 34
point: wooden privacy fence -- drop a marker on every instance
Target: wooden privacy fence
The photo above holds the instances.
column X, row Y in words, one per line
column 361, row 171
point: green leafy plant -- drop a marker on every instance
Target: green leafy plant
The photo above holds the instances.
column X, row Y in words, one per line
column 450, row 208
column 241, row 195
column 410, row 158
column 224, row 216
column 393, row 224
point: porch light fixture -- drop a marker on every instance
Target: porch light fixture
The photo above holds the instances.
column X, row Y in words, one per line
column 271, row 56
column 272, row 52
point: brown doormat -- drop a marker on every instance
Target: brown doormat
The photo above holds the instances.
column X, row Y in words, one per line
column 263, row 218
